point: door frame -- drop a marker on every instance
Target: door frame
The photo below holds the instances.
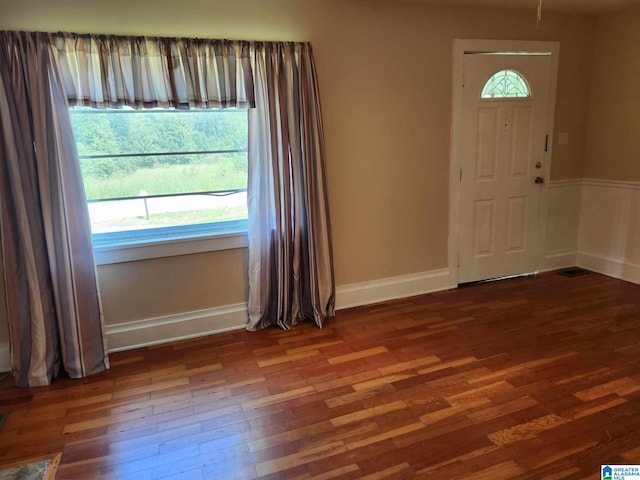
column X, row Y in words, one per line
column 460, row 46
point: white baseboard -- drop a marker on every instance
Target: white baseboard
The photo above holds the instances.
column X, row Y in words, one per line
column 377, row 291
column 5, row 357
column 181, row 326
column 558, row 260
column 609, row 266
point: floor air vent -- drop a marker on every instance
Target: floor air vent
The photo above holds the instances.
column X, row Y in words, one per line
column 573, row 272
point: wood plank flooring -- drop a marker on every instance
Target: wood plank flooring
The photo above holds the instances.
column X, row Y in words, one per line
column 524, row 378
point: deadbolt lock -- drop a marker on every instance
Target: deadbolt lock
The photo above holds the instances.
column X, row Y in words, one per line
column 538, row 165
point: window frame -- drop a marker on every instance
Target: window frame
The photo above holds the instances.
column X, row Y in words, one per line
column 166, row 241
column 130, row 246
column 506, row 71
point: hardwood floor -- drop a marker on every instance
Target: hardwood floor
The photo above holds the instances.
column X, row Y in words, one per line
column 524, row 378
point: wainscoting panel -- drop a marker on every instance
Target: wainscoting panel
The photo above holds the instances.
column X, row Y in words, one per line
column 563, row 219
column 609, row 233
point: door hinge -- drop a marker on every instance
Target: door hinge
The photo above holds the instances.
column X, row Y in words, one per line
column 546, row 143
column 460, row 175
column 463, row 81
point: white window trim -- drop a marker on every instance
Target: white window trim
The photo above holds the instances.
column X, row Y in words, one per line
column 159, row 243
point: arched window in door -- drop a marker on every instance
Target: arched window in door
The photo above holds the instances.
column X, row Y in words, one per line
column 506, row 84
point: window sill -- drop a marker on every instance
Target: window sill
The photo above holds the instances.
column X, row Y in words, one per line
column 121, row 248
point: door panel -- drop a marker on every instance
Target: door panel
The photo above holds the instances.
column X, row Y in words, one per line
column 486, row 153
column 521, row 141
column 502, row 153
column 516, row 224
column 484, row 228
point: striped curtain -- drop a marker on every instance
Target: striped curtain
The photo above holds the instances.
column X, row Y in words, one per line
column 54, row 311
column 290, row 254
column 50, row 281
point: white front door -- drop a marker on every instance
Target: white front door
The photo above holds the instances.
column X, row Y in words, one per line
column 504, row 153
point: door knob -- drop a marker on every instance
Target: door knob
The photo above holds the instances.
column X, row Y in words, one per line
column 539, row 180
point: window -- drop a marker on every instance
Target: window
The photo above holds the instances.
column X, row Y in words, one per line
column 506, row 84
column 160, row 175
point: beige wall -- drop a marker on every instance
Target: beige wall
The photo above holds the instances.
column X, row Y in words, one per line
column 613, row 146
column 153, row 288
column 385, row 84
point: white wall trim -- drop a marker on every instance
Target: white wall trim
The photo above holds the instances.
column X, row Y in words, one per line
column 560, row 254
column 604, row 183
column 556, row 261
column 181, row 326
column 131, row 252
column 610, row 266
column 5, row 357
column 367, row 293
column 562, row 220
column 566, row 182
column 594, row 182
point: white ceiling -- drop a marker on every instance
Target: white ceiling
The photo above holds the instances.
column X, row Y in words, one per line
column 592, row 7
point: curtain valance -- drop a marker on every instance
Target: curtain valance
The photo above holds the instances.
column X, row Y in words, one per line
column 108, row 71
